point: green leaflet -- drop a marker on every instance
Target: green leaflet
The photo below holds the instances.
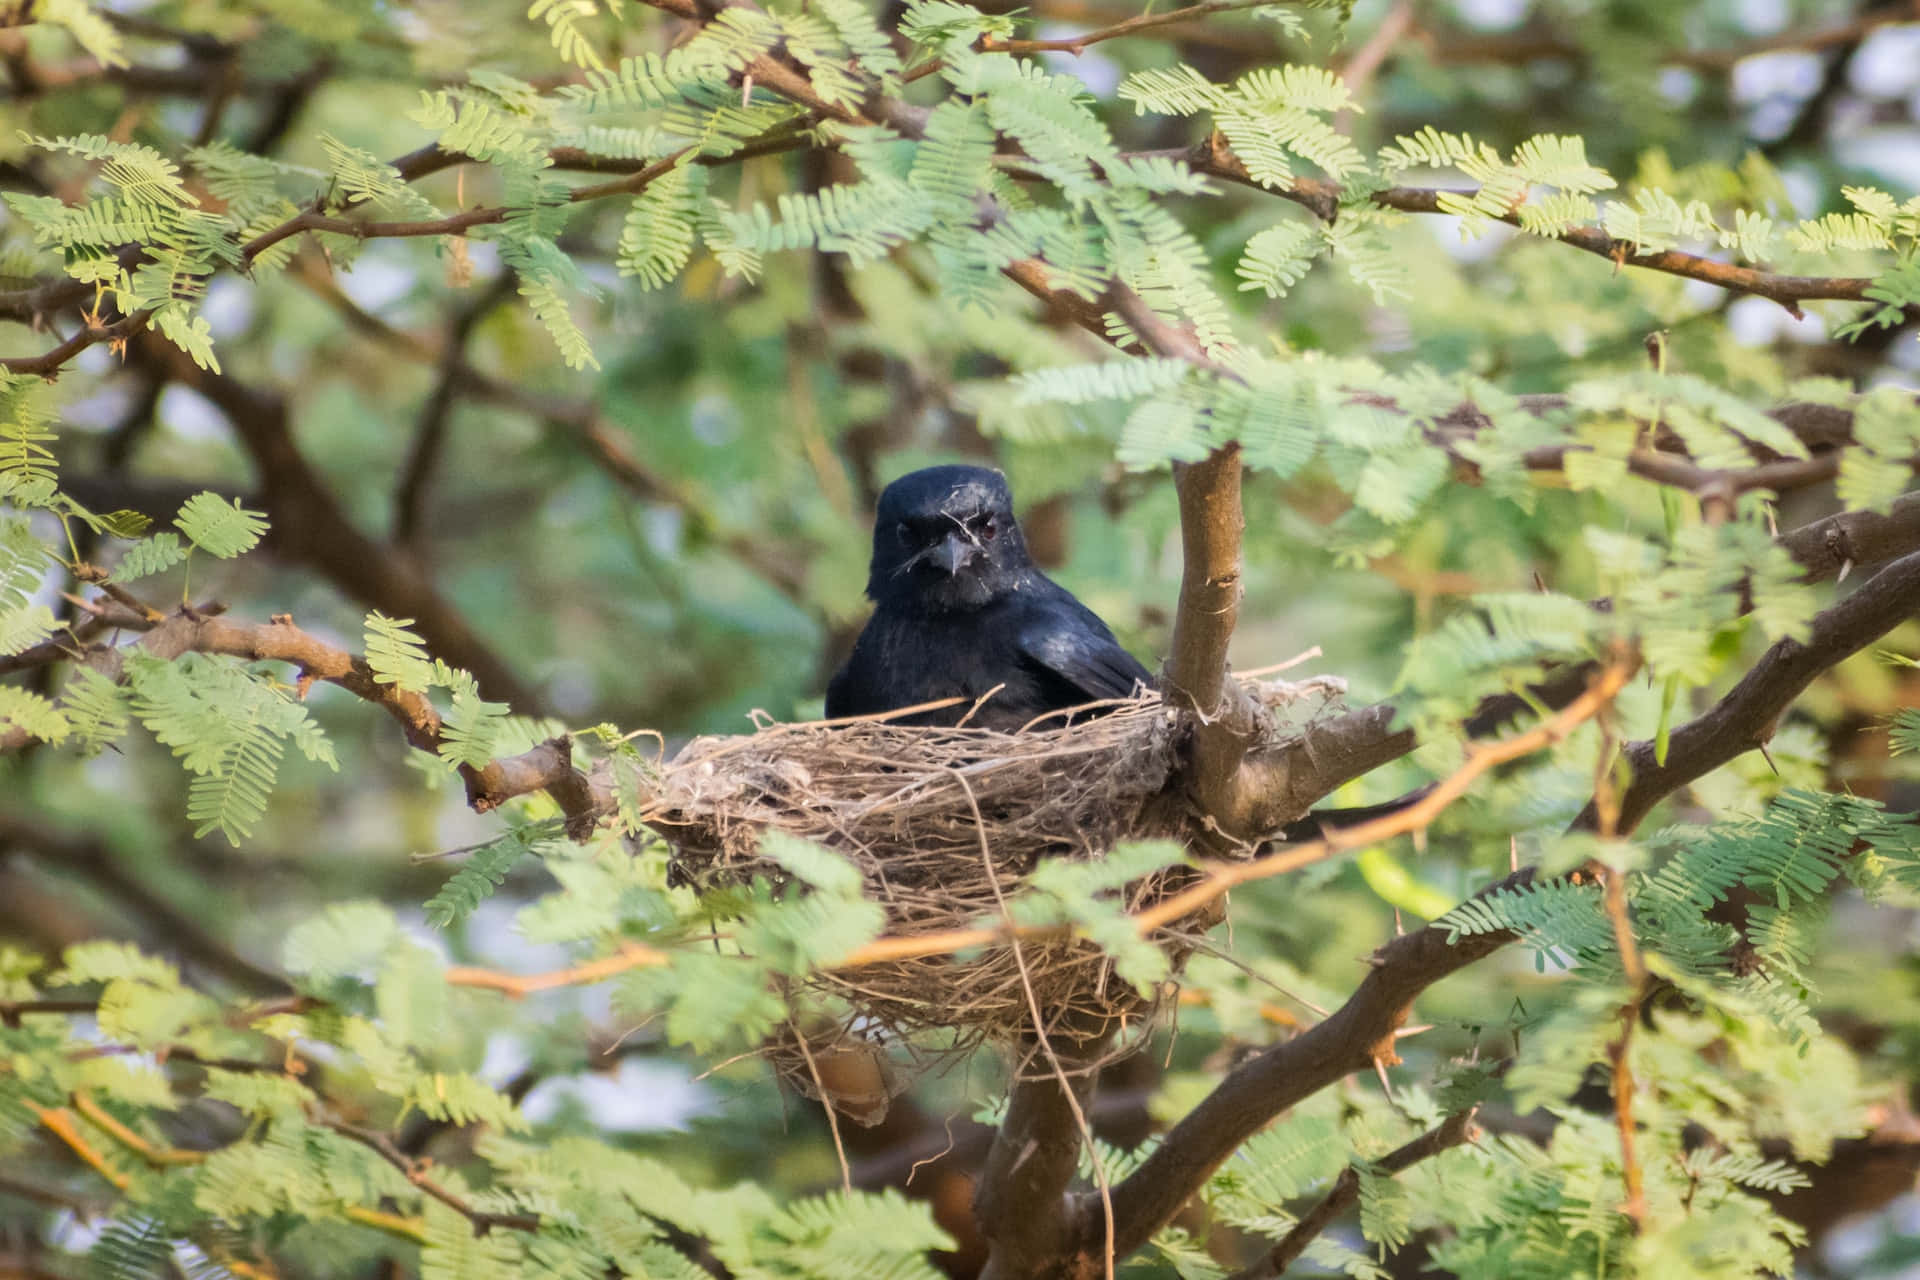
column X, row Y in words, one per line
column 23, row 562
column 220, row 527
column 229, row 727
column 660, row 231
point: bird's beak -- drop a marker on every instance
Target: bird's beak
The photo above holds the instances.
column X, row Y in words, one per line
column 953, row 554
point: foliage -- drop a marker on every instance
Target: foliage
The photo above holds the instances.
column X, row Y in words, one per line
column 304, row 271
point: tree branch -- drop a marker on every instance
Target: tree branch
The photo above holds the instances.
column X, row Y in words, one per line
column 1125, row 27
column 1213, row 156
column 174, row 929
column 430, row 430
column 1748, row 715
column 416, row 1172
column 309, row 527
column 546, row 767
column 1360, row 1032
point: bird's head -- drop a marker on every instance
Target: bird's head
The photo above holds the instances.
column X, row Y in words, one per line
column 945, row 541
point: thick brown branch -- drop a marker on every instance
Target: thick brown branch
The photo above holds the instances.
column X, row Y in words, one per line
column 1282, row 782
column 309, row 527
column 177, row 930
column 1029, row 1165
column 1360, row 1032
column 1748, row 715
column 1357, row 1035
column 546, row 767
column 1855, row 539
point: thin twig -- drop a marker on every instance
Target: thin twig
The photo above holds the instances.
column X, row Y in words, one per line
column 416, row 1173
column 1619, row 1050
column 1127, row 27
column 1039, row 1026
column 826, row 1104
column 1449, row 1133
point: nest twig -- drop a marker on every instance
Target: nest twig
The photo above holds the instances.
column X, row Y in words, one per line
column 932, row 818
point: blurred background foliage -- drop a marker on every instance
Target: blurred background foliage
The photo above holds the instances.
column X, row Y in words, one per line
column 678, row 537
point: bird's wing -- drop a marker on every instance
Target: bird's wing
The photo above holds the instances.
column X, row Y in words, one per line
column 1076, row 658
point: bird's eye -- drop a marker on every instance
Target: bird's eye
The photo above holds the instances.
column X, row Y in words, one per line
column 987, row 528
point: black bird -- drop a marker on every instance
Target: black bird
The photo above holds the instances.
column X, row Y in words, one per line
column 962, row 611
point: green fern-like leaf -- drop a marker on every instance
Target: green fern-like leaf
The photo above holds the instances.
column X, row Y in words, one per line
column 454, row 1251
column 220, row 527
column 96, row 708
column 1358, row 245
column 485, row 870
column 463, row 1099
column 659, row 234
column 103, row 961
column 397, row 655
column 188, row 331
column 1050, row 119
column 1904, row 732
column 91, row 230
column 1656, row 221
column 228, row 726
column 1107, row 380
column 1551, row 160
column 1896, row 290
column 137, row 1247
column 542, row 271
column 954, row 160
column 616, row 142
column 950, row 27
column 471, row 729
column 232, row 796
column 247, row 184
column 649, row 80
column 22, row 563
column 89, row 30
column 1557, row 214
column 1886, row 432
column 1173, row 91
column 1555, row 917
column 1278, row 258
column 149, row 556
column 563, row 19
column 862, row 220
column 139, row 173
column 1753, row 236
column 29, row 713
column 871, row 47
column 475, row 126
column 1386, row 1212
column 364, row 178
column 27, row 467
column 815, row 45
column 1748, row 1169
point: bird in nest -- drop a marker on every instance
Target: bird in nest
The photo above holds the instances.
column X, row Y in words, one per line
column 961, row 611
column 963, row 614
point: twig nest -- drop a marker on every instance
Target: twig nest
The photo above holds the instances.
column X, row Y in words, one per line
column 941, row 823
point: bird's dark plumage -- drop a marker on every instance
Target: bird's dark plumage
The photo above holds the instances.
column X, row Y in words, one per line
column 961, row 610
